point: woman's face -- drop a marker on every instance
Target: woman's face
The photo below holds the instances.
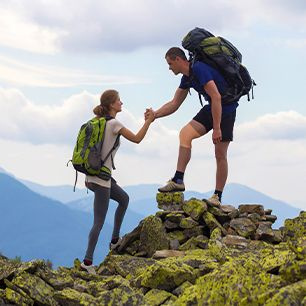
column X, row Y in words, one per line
column 117, row 105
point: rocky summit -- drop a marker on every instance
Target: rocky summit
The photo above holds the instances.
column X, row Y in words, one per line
column 188, row 253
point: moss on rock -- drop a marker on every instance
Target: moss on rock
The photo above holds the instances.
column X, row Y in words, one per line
column 194, row 208
column 167, row 275
column 69, row 296
column 156, row 297
column 289, row 295
column 153, row 236
column 36, row 288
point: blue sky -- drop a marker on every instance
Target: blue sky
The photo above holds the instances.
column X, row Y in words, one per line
column 58, row 56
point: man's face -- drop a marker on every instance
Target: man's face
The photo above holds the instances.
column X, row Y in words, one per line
column 174, row 65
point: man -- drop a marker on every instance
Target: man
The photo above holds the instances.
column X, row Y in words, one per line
column 220, row 118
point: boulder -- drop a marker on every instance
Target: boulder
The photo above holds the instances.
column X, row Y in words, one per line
column 243, row 226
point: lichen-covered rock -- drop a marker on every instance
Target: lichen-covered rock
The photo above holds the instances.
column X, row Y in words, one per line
column 180, row 289
column 271, row 218
column 170, row 201
column 36, row 288
column 175, row 217
column 122, row 295
column 12, row 297
column 153, row 236
column 293, row 271
column 212, row 222
column 243, row 226
column 188, row 223
column 264, row 232
column 298, row 246
column 55, row 279
column 235, row 241
column 195, row 242
column 289, row 295
column 251, row 208
column 157, row 297
column 219, row 214
column 125, row 265
column 70, row 296
column 229, row 283
column 177, row 235
column 295, row 228
column 194, row 208
column 166, row 275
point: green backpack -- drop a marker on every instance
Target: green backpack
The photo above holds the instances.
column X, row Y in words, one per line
column 86, row 156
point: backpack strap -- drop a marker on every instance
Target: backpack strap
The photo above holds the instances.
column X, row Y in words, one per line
column 111, row 151
column 114, row 146
column 192, row 77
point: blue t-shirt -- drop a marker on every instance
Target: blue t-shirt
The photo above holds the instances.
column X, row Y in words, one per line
column 204, row 73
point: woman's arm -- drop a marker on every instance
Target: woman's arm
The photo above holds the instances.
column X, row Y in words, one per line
column 137, row 138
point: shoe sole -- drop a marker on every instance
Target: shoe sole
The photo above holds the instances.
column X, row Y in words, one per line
column 173, row 190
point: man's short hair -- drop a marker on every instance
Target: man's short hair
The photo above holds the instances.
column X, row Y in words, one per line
column 173, row 52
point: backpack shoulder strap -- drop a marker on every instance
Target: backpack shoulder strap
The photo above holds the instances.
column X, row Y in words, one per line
column 193, row 77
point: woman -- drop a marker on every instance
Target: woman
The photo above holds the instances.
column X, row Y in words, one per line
column 110, row 105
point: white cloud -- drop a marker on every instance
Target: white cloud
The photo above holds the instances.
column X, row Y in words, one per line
column 280, row 126
column 124, row 26
column 18, row 32
column 24, row 74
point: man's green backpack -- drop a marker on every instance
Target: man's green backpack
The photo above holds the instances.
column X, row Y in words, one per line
column 86, row 156
column 222, row 55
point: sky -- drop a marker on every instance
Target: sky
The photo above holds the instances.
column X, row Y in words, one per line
column 57, row 57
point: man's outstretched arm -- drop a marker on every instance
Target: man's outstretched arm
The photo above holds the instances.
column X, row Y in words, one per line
column 173, row 105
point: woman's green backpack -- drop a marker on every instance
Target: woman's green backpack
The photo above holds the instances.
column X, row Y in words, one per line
column 86, row 156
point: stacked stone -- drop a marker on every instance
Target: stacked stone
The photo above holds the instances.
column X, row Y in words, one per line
column 196, row 219
column 185, row 225
column 201, row 270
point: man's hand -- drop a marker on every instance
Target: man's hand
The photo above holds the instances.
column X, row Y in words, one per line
column 216, row 136
column 149, row 114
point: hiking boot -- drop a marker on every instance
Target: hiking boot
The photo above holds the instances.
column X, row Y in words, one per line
column 214, row 200
column 113, row 246
column 171, row 186
column 90, row 269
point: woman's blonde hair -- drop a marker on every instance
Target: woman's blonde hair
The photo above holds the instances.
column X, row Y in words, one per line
column 107, row 98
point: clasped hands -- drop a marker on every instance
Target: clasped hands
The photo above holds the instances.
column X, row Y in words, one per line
column 149, row 114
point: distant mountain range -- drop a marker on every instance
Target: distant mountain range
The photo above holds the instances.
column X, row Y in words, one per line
column 142, row 200
column 34, row 226
column 53, row 223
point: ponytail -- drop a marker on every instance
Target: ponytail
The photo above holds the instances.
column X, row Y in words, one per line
column 107, row 98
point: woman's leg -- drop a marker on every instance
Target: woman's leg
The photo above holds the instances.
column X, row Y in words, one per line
column 101, row 201
column 120, row 196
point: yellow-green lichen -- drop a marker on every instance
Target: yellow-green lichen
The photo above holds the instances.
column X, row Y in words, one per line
column 194, row 208
column 156, row 297
column 69, row 296
column 167, row 275
column 16, row 298
column 289, row 295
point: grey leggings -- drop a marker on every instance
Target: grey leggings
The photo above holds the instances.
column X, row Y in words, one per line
column 101, row 202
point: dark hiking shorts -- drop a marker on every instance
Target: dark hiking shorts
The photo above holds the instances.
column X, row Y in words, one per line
column 227, row 123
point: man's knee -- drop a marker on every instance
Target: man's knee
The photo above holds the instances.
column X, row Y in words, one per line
column 187, row 134
column 221, row 151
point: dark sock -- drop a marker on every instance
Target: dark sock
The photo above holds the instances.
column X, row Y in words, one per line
column 219, row 193
column 114, row 240
column 178, row 177
column 87, row 262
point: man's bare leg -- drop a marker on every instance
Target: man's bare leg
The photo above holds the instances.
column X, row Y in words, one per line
column 222, row 166
column 189, row 132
